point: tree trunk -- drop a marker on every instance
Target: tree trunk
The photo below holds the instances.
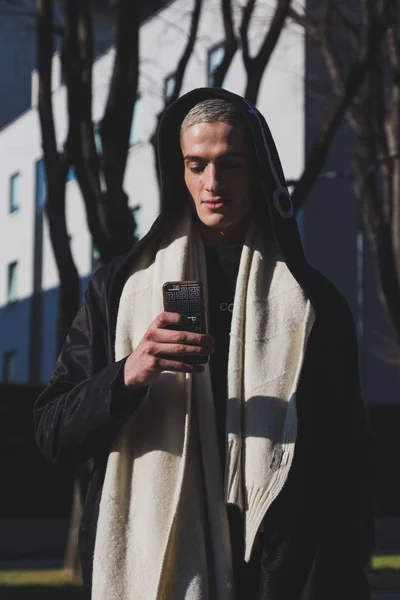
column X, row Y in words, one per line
column 179, row 75
column 56, row 166
column 254, row 77
column 77, row 57
column 116, row 124
column 69, row 288
column 230, row 45
column 255, row 66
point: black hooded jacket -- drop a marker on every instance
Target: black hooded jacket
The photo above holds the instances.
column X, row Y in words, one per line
column 317, row 536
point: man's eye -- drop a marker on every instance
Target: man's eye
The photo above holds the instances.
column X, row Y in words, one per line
column 197, row 169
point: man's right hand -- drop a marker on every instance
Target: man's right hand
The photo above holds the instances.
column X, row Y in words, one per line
column 159, row 345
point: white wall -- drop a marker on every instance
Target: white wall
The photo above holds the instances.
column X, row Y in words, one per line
column 18, row 152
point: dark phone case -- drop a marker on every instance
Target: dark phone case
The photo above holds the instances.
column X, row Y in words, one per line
column 186, row 298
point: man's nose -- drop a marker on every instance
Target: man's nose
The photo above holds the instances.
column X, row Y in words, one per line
column 213, row 179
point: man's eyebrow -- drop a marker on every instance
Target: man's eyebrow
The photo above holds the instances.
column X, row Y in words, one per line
column 193, row 158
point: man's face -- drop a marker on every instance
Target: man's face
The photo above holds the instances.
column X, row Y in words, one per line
column 218, row 174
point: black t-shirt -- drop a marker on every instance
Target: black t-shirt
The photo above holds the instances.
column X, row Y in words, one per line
column 222, row 269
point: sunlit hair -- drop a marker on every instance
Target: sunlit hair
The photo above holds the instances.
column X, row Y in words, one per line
column 214, row 110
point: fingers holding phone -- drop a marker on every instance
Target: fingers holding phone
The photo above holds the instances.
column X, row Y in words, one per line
column 167, row 346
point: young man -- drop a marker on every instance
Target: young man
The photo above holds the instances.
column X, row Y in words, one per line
column 248, row 478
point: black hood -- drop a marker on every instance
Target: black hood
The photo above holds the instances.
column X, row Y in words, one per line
column 274, row 191
column 174, row 195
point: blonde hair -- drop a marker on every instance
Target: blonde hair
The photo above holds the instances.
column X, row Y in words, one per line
column 214, row 110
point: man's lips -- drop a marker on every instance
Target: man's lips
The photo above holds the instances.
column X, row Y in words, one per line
column 215, row 204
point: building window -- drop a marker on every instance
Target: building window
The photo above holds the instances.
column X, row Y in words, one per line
column 97, row 138
column 136, row 214
column 10, row 366
column 70, row 174
column 169, row 86
column 96, row 260
column 215, row 58
column 12, row 282
column 15, row 183
column 135, row 137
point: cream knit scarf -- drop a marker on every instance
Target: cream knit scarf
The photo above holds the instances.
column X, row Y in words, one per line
column 162, row 531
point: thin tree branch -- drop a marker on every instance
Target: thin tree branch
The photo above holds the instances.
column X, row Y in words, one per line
column 255, row 66
column 333, row 63
column 349, row 23
column 44, row 61
column 244, row 32
column 275, row 29
column 319, row 33
column 308, row 22
column 354, row 79
column 183, row 62
column 77, row 60
column 179, row 74
column 116, row 124
column 56, row 167
column 230, row 44
column 274, row 32
column 377, row 121
column 321, row 146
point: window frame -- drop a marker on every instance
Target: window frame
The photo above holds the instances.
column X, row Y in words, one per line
column 95, row 258
column 13, row 208
column 209, row 53
column 134, row 209
column 166, row 79
column 11, row 299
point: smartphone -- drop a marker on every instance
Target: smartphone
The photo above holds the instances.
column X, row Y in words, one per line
column 187, row 298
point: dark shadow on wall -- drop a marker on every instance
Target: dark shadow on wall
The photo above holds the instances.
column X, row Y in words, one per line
column 15, row 321
column 35, row 358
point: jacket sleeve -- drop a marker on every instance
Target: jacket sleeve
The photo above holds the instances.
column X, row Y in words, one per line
column 86, row 401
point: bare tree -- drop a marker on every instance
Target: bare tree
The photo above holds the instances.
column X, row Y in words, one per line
column 180, row 71
column 255, row 65
column 361, row 48
column 363, row 62
column 100, row 178
column 56, row 164
column 230, row 44
column 116, row 124
column 353, row 74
